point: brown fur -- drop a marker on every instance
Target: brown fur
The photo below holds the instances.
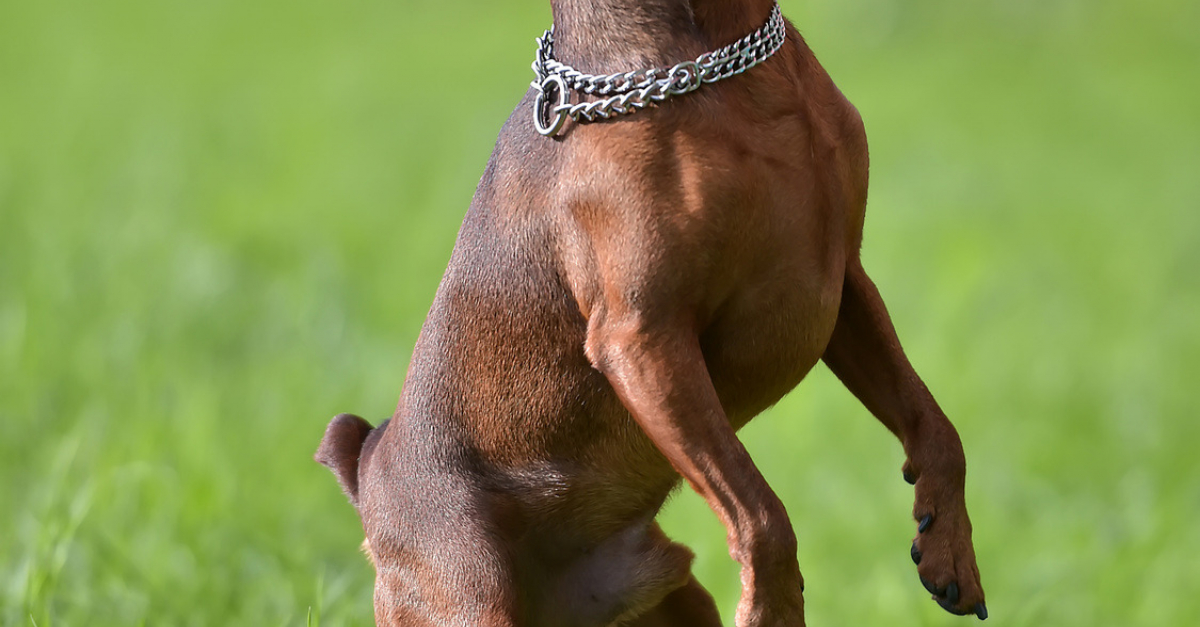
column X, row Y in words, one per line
column 622, row 299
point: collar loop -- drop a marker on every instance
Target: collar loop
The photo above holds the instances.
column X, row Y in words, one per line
column 626, row 92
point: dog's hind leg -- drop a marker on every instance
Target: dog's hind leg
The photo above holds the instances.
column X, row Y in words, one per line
column 865, row 354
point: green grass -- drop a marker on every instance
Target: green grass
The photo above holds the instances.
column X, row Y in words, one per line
column 221, row 223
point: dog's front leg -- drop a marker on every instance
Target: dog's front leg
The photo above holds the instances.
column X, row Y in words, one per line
column 658, row 370
column 866, row 355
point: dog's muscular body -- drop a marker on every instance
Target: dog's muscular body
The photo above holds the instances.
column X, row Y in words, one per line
column 622, row 299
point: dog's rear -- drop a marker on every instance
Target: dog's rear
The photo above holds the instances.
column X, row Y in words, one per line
column 620, row 300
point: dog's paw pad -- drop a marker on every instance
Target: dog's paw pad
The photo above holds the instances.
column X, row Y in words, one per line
column 949, row 607
column 952, row 598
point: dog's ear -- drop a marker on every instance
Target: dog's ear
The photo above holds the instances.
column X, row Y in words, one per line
column 341, row 449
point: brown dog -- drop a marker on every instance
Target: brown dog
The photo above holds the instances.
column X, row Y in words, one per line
column 622, row 298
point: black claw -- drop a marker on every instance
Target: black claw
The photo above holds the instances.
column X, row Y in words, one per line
column 925, row 523
column 930, row 587
column 952, row 593
column 981, row 610
column 910, row 477
column 916, row 554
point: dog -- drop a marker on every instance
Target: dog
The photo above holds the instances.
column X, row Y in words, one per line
column 636, row 278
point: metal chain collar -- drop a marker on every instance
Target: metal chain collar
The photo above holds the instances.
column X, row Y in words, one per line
column 627, row 92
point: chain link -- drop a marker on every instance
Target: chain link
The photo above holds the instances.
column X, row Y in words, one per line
column 626, row 92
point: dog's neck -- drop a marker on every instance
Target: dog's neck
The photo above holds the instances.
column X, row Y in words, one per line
column 603, row 36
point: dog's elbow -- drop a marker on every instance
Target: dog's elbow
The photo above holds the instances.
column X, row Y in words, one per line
column 639, row 351
column 605, row 348
column 614, row 343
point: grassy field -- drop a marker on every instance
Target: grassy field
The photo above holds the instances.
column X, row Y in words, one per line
column 222, row 222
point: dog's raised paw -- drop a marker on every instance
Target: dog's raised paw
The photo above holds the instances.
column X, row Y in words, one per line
column 945, row 563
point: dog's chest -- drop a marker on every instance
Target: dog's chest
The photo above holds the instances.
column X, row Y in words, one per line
column 775, row 299
column 768, row 335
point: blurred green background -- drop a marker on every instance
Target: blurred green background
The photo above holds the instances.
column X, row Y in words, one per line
column 222, row 222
